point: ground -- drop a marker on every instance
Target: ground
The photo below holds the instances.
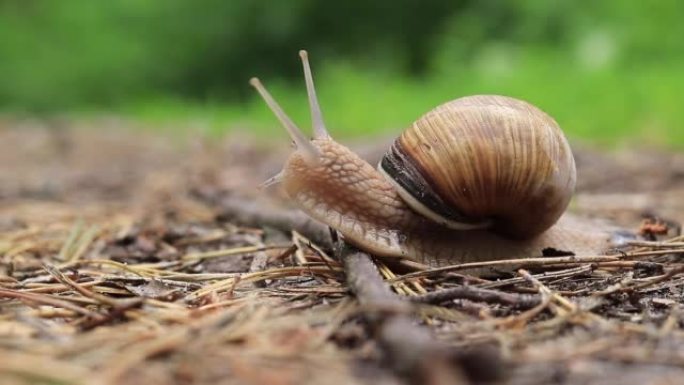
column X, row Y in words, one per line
column 119, row 265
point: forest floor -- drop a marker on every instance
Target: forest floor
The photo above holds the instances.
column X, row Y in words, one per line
column 118, row 265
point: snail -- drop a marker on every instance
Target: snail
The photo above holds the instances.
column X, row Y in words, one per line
column 477, row 178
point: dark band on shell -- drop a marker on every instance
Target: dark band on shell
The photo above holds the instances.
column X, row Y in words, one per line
column 402, row 171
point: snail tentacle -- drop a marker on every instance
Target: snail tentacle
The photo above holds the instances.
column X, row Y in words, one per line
column 320, row 132
column 275, row 179
column 308, row 150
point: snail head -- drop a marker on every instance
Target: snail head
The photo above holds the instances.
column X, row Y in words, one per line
column 321, row 175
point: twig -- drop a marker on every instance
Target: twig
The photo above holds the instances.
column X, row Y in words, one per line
column 115, row 313
column 656, row 245
column 536, row 262
column 518, row 262
column 545, row 291
column 63, row 279
column 519, row 301
column 642, row 285
column 364, row 280
column 231, row 251
column 258, row 263
column 545, row 276
column 46, row 300
column 299, row 257
column 411, row 348
column 70, row 242
column 526, row 316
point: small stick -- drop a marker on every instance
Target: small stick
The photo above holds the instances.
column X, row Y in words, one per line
column 259, row 262
column 364, row 280
column 64, row 280
column 519, row 301
column 411, row 348
column 231, row 251
column 536, row 262
column 527, row 262
column 115, row 313
column 656, row 245
column 546, row 276
column 54, row 289
column 653, row 281
column 545, row 291
column 299, row 257
column 526, row 316
column 46, row 300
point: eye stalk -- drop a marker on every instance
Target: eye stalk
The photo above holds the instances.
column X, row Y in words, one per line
column 303, row 144
column 316, row 116
column 309, row 151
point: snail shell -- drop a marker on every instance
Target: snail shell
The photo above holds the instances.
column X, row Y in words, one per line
column 484, row 161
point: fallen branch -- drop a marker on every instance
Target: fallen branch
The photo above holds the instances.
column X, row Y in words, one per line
column 411, row 348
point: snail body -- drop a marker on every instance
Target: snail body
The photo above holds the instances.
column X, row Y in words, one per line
column 478, row 178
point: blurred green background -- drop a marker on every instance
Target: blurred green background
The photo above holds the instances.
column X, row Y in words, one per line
column 611, row 72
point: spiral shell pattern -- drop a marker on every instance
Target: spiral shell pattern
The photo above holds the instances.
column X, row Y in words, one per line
column 485, row 161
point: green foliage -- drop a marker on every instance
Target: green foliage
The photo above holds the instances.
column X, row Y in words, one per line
column 608, row 71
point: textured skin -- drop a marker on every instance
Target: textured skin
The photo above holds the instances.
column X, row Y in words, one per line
column 348, row 194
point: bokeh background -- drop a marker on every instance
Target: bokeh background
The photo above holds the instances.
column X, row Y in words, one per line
column 611, row 72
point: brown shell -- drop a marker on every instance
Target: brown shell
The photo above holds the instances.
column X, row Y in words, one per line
column 486, row 159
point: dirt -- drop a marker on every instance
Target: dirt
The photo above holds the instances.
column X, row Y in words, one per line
column 116, row 269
